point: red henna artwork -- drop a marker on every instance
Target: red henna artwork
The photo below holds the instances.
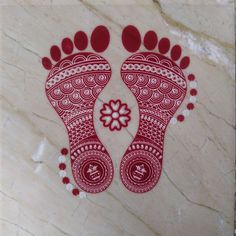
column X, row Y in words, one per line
column 72, row 87
column 159, row 85
column 115, row 115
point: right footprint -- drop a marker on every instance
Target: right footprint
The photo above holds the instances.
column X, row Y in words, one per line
column 159, row 85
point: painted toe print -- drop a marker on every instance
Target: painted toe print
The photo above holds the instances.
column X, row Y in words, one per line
column 115, row 115
column 159, row 84
column 73, row 84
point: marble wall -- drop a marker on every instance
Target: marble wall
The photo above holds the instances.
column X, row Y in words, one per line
column 195, row 195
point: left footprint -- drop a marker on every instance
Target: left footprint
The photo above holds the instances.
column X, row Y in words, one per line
column 72, row 87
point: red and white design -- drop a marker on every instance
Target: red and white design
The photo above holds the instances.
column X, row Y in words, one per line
column 192, row 100
column 115, row 115
column 72, row 87
column 65, row 180
column 159, row 85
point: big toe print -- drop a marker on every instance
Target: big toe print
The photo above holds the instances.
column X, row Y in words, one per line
column 159, row 85
column 72, row 87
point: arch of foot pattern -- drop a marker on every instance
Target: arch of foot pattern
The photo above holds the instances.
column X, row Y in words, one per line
column 156, row 78
column 75, row 80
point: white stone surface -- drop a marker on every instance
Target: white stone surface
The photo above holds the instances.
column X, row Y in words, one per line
column 195, row 195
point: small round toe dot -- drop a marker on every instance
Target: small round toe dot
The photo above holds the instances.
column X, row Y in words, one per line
column 46, row 62
column 75, row 191
column 64, row 151
column 191, row 77
column 184, row 63
column 100, row 38
column 81, row 40
column 180, row 118
column 67, row 46
column 164, row 45
column 131, row 38
column 62, row 166
column 190, row 106
column 193, row 92
column 150, row 40
column 65, row 180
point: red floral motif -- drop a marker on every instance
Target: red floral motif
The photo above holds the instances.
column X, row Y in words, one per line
column 115, row 115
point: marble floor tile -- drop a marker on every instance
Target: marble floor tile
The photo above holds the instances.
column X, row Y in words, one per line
column 195, row 194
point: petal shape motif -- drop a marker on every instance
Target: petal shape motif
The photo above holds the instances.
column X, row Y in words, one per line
column 115, row 115
column 106, row 110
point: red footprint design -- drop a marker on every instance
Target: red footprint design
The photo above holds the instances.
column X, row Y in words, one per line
column 159, row 85
column 72, row 87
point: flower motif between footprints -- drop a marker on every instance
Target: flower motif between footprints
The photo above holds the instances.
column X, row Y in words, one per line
column 115, row 115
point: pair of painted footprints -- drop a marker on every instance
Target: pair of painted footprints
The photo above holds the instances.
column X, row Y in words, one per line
column 158, row 83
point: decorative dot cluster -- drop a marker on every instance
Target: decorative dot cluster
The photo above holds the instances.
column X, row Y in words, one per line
column 192, row 99
column 65, row 180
